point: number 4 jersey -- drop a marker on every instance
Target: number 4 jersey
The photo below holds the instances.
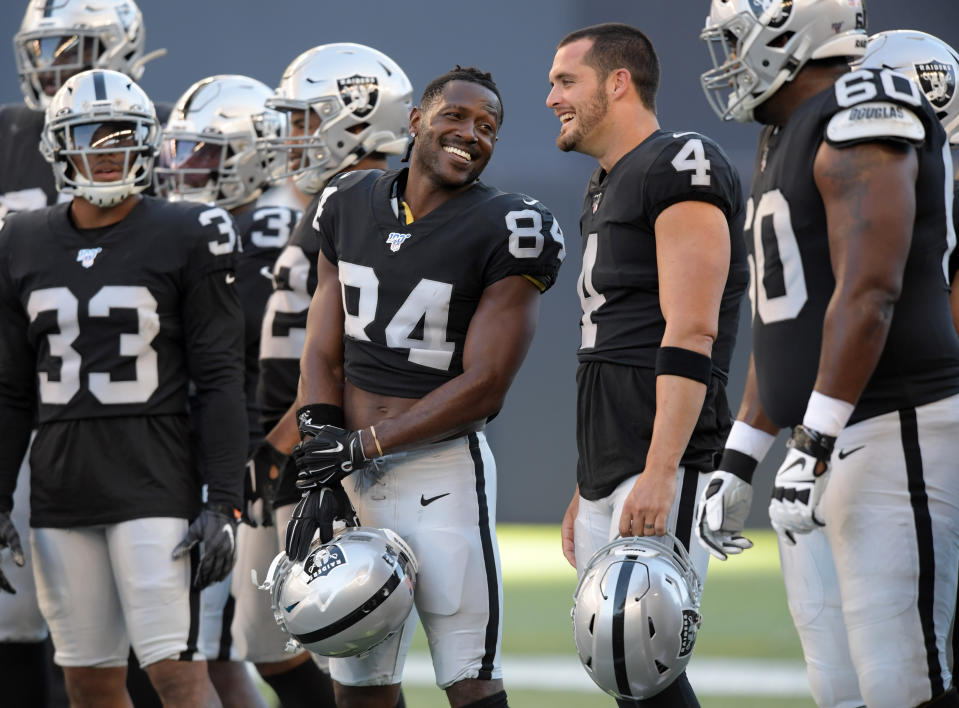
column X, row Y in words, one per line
column 105, row 329
column 787, row 239
column 410, row 290
column 619, row 285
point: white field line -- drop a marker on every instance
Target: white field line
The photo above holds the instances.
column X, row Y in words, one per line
column 753, row 677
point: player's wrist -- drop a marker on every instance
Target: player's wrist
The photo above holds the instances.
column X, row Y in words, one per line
column 812, row 442
column 827, row 415
column 745, row 448
column 316, row 414
column 226, row 509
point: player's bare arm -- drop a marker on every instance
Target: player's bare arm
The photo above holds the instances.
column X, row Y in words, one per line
column 869, row 195
column 497, row 340
column 321, row 366
column 568, row 528
column 692, row 254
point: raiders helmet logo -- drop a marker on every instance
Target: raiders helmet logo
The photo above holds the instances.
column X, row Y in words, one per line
column 359, row 94
column 325, row 559
column 691, row 622
column 784, row 11
column 938, row 82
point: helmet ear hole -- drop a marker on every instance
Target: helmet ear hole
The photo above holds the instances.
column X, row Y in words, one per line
column 652, row 627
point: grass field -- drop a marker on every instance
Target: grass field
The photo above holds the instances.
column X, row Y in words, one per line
column 744, row 617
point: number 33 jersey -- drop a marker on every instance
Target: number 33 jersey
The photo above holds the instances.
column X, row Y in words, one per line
column 104, row 329
column 788, row 243
column 410, row 290
column 622, row 322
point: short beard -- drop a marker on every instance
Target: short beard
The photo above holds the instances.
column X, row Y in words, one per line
column 589, row 117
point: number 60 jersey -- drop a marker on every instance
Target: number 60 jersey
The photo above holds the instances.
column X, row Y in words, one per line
column 104, row 329
column 410, row 290
column 788, row 242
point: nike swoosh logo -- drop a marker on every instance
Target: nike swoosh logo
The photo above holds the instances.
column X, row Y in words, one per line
column 530, row 202
column 843, row 454
column 688, row 132
column 266, row 272
column 425, row 502
column 230, row 278
column 800, row 461
column 338, row 448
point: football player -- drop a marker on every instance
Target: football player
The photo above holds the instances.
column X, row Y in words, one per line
column 110, row 305
column 664, row 270
column 329, row 131
column 849, row 231
column 213, row 151
column 54, row 42
column 428, row 286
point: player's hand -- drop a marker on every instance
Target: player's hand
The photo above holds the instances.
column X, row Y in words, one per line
column 317, row 511
column 215, row 530
column 647, row 505
column 800, row 482
column 9, row 538
column 723, row 508
column 568, row 529
column 262, row 475
column 327, row 455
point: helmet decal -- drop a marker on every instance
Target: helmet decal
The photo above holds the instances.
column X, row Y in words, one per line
column 359, row 94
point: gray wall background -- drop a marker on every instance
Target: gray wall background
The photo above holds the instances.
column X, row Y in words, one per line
column 533, row 437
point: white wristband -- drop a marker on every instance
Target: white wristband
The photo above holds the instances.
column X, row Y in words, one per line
column 827, row 415
column 750, row 441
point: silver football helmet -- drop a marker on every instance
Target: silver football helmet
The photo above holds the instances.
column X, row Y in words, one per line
column 60, row 38
column 344, row 101
column 756, row 46
column 100, row 122
column 928, row 61
column 349, row 595
column 212, row 149
column 636, row 615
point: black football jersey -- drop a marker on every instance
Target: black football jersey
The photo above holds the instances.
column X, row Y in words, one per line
column 619, row 284
column 264, row 233
column 284, row 322
column 26, row 179
column 103, row 329
column 410, row 290
column 787, row 239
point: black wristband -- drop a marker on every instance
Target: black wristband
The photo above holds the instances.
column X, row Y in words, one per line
column 812, row 442
column 676, row 361
column 739, row 464
column 321, row 414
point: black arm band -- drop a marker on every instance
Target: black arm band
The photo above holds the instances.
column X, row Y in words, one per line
column 321, row 414
column 739, row 464
column 676, row 361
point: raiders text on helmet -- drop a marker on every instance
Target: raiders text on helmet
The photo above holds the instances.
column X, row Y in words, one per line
column 60, row 38
column 758, row 45
column 349, row 595
column 362, row 100
column 636, row 615
column 96, row 116
column 213, row 147
column 928, row 61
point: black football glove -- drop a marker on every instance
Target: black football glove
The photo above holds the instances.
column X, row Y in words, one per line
column 327, row 455
column 262, row 475
column 317, row 510
column 215, row 530
column 9, row 538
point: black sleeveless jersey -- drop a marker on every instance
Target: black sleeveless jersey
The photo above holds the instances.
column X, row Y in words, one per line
column 284, row 321
column 103, row 330
column 264, row 232
column 410, row 290
column 619, row 285
column 788, row 245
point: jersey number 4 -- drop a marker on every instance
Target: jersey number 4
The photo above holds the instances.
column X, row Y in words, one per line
column 136, row 345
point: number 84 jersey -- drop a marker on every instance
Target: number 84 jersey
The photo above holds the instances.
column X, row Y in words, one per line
column 622, row 322
column 410, row 290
